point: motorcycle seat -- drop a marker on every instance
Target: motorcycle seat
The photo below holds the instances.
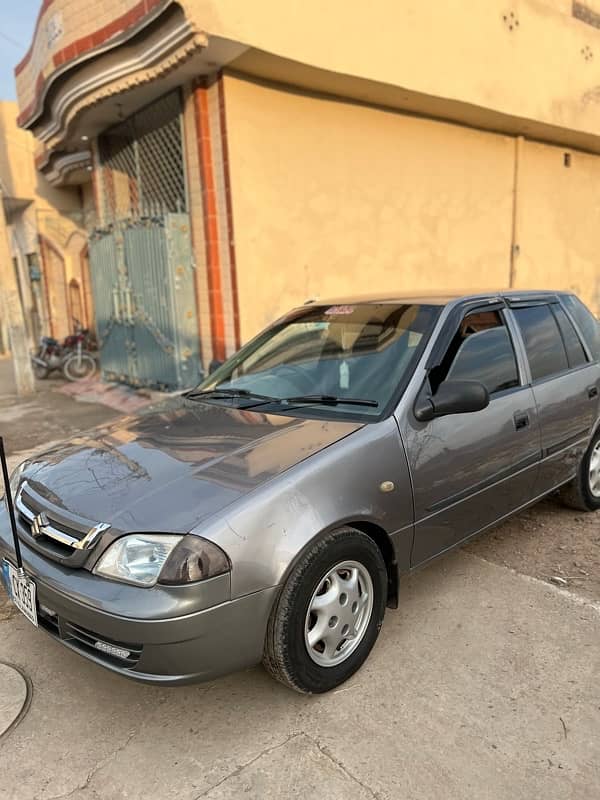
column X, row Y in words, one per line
column 49, row 341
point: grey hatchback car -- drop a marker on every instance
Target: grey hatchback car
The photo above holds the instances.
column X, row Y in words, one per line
column 268, row 514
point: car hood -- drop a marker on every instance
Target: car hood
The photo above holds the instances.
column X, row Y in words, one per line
column 168, row 470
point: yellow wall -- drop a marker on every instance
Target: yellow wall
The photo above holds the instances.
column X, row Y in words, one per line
column 17, row 170
column 456, row 50
column 559, row 222
column 55, row 213
column 461, row 50
column 332, row 198
column 17, row 166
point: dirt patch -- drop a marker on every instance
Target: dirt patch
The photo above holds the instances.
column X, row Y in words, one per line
column 7, row 609
column 548, row 541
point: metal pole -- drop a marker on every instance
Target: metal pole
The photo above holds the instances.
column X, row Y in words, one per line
column 11, row 510
column 515, row 247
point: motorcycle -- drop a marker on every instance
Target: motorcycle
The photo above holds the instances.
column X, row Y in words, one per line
column 72, row 357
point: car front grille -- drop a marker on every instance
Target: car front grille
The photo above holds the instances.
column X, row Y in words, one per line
column 120, row 654
column 53, row 531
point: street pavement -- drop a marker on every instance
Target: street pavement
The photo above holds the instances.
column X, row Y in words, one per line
column 484, row 684
column 47, row 415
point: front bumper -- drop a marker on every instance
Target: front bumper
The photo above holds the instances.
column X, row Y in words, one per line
column 167, row 650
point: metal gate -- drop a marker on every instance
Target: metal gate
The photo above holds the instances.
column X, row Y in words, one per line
column 141, row 263
column 143, row 284
column 142, row 164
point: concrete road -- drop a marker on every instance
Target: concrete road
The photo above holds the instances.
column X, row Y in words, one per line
column 485, row 684
column 47, row 415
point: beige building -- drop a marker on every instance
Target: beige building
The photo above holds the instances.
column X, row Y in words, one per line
column 304, row 149
column 47, row 237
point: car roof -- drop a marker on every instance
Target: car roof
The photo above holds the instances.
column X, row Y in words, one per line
column 434, row 298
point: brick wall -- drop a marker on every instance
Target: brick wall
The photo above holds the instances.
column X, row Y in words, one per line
column 66, row 31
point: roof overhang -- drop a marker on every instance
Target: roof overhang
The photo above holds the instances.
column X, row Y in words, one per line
column 264, row 66
column 133, row 59
column 64, row 168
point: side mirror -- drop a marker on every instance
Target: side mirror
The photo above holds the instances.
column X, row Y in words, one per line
column 452, row 397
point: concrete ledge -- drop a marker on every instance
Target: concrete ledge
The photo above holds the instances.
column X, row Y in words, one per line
column 14, row 697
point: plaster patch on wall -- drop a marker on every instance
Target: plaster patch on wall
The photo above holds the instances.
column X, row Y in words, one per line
column 591, row 96
column 587, row 14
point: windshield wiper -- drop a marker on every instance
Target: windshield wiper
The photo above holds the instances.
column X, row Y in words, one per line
column 194, row 394
column 328, row 400
column 265, row 399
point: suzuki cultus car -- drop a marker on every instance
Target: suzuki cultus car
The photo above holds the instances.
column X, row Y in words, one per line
column 269, row 514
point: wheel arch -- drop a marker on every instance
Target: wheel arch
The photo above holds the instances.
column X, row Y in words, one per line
column 375, row 532
column 382, row 539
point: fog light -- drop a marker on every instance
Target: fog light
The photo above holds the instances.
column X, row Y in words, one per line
column 48, row 611
column 112, row 650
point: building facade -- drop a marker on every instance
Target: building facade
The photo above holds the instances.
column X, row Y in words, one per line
column 47, row 236
column 245, row 157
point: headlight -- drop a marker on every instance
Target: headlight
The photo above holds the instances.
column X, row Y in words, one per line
column 194, row 559
column 15, row 479
column 146, row 558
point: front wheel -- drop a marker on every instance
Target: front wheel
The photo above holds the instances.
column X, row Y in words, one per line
column 583, row 492
column 77, row 367
column 40, row 371
column 329, row 613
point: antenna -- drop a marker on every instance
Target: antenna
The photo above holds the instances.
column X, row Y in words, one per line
column 11, row 510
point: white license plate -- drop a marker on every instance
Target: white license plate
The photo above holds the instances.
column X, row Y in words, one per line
column 21, row 590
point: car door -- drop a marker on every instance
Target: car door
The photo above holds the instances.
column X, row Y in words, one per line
column 565, row 385
column 469, row 470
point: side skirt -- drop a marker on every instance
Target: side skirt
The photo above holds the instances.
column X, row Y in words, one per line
column 485, row 528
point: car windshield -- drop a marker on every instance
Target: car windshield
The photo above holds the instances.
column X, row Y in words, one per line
column 351, row 359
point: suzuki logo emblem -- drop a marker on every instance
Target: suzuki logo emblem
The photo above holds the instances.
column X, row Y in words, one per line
column 38, row 524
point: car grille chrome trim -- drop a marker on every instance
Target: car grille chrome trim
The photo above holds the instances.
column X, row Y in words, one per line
column 41, row 524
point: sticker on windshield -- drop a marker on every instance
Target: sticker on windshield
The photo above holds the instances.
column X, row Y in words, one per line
column 336, row 310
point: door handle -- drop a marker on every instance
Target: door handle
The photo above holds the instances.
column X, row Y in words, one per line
column 521, row 421
column 592, row 392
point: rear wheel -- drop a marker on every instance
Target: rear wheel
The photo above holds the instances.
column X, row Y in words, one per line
column 329, row 613
column 583, row 492
column 77, row 367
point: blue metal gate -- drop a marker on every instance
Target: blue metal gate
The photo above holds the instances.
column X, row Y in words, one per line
column 143, row 285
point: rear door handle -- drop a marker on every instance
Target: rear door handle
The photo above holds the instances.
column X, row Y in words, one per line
column 521, row 421
column 592, row 391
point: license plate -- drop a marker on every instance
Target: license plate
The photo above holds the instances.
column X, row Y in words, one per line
column 21, row 591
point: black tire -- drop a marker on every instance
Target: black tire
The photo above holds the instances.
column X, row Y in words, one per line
column 78, row 369
column 577, row 493
column 40, row 372
column 286, row 655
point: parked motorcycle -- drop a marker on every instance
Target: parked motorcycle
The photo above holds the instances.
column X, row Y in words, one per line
column 72, row 357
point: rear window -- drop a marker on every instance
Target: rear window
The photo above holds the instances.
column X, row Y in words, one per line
column 588, row 324
column 575, row 352
column 543, row 341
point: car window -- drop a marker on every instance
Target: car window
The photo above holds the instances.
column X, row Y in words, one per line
column 575, row 351
column 362, row 351
column 488, row 357
column 543, row 341
column 588, row 324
